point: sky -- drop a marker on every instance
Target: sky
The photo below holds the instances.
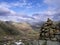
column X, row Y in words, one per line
column 29, row 10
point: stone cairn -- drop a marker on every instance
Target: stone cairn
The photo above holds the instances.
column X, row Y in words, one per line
column 49, row 31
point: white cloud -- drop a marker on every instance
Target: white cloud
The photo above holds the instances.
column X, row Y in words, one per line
column 53, row 3
column 44, row 15
column 17, row 18
column 6, row 12
column 5, row 4
column 24, row 3
column 12, row 15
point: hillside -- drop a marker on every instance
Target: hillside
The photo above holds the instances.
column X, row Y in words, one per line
column 26, row 30
column 16, row 30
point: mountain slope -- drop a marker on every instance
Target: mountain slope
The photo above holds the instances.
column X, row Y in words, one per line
column 17, row 30
column 26, row 30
